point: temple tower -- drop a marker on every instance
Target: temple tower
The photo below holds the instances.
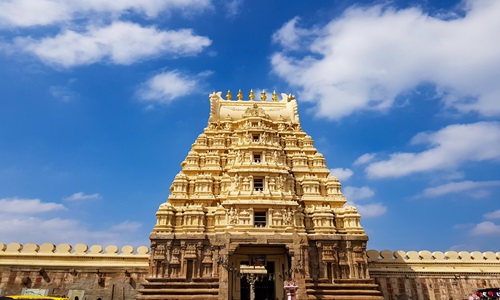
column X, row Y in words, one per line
column 254, row 209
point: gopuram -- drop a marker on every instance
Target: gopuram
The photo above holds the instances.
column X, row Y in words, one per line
column 254, row 214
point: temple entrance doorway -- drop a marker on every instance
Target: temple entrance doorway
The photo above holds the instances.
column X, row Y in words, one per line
column 264, row 285
column 265, row 267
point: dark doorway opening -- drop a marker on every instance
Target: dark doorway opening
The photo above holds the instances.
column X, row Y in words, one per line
column 264, row 287
column 189, row 270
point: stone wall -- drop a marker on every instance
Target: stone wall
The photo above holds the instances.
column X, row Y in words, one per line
column 111, row 273
column 433, row 275
column 105, row 273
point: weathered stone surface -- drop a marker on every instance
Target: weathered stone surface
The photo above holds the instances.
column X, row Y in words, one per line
column 100, row 275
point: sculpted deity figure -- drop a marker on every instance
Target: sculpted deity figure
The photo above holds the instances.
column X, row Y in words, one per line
column 263, row 137
column 248, row 137
column 272, row 184
column 233, row 216
column 279, row 183
column 288, row 217
column 344, row 265
column 236, row 182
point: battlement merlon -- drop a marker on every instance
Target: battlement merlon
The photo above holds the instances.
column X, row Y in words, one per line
column 284, row 110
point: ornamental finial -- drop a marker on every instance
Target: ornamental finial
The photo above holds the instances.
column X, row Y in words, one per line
column 229, row 95
column 263, row 96
column 240, row 95
column 275, row 96
column 252, row 95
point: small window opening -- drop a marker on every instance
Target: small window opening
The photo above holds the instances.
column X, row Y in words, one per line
column 255, row 138
column 259, row 219
column 258, row 184
column 256, row 158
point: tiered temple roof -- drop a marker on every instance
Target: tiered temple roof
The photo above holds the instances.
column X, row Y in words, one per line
column 254, row 169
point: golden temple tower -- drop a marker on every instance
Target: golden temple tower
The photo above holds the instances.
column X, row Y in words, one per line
column 254, row 208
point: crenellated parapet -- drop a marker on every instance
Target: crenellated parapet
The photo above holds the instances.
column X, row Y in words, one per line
column 438, row 262
column 433, row 257
column 433, row 275
column 78, row 249
column 66, row 255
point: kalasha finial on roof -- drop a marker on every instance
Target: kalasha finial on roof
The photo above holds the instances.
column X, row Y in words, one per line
column 240, row 95
column 263, row 96
column 229, row 95
column 275, row 96
column 252, row 95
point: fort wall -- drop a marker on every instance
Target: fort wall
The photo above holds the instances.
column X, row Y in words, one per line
column 106, row 273
column 116, row 274
column 433, row 275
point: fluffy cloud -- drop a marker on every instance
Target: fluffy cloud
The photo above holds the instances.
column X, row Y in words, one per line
column 26, row 13
column 31, row 221
column 448, row 148
column 493, row 215
column 166, row 87
column 290, row 37
column 357, row 193
column 62, row 230
column 80, row 196
column 486, row 228
column 371, row 210
column 63, row 93
column 341, row 174
column 366, row 58
column 126, row 226
column 459, row 187
column 233, row 7
column 27, row 206
column 120, row 42
column 364, row 159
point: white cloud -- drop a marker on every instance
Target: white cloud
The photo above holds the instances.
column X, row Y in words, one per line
column 126, row 226
column 120, row 43
column 290, row 37
column 341, row 174
column 459, row 187
column 371, row 210
column 26, row 13
column 486, row 228
column 233, row 7
column 23, row 13
column 28, row 221
column 62, row 92
column 364, row 159
column 369, row 56
column 62, row 230
column 80, row 196
column 166, row 87
column 357, row 193
column 27, row 206
column 448, row 148
column 493, row 215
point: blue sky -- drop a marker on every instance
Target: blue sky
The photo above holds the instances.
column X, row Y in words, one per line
column 101, row 100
